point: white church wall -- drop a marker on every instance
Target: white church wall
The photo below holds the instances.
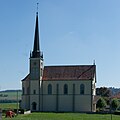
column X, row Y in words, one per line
column 23, row 105
column 49, row 103
column 34, row 87
column 65, row 103
column 34, row 98
column 25, row 96
column 83, row 103
column 94, row 86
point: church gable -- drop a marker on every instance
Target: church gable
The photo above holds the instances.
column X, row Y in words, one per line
column 77, row 72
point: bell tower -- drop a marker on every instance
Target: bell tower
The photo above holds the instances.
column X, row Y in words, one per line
column 36, row 71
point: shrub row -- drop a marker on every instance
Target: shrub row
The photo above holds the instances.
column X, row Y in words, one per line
column 8, row 101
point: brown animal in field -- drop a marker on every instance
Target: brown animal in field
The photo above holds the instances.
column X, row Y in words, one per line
column 10, row 114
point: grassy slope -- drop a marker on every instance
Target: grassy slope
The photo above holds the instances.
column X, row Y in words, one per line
column 11, row 95
column 8, row 106
column 64, row 116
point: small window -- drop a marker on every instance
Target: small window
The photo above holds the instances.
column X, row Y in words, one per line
column 65, row 89
column 49, row 89
column 82, row 89
column 34, row 91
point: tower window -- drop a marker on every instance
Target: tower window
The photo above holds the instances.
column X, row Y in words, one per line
column 65, row 89
column 35, row 73
column 49, row 89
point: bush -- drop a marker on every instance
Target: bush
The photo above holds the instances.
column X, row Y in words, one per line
column 115, row 104
column 101, row 104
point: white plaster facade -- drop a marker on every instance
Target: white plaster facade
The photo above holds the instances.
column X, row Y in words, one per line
column 57, row 101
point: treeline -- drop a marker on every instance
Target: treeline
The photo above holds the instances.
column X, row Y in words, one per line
column 8, row 101
column 11, row 91
column 3, row 95
column 107, row 102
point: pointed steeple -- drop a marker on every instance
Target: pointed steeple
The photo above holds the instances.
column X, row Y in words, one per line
column 36, row 48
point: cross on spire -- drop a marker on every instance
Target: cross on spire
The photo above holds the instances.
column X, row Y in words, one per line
column 37, row 7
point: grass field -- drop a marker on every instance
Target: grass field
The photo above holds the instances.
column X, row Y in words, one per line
column 64, row 116
column 4, row 106
column 7, row 95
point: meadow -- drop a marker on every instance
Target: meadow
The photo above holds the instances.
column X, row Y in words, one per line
column 49, row 116
column 6, row 106
column 10, row 95
column 64, row 116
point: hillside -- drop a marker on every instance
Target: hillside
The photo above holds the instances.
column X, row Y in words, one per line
column 10, row 96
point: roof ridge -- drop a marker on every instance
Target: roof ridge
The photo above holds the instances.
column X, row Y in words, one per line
column 66, row 65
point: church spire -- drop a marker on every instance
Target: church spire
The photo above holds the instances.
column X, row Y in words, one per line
column 36, row 48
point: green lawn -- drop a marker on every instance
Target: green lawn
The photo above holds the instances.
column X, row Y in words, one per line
column 8, row 106
column 64, row 116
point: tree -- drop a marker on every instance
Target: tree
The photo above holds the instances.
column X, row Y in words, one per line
column 103, row 91
column 114, row 103
column 101, row 104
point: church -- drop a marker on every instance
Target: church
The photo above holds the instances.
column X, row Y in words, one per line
column 67, row 88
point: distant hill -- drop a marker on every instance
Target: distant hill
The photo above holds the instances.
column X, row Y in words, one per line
column 10, row 96
column 11, row 91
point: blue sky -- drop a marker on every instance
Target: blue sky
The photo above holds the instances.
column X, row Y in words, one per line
column 71, row 32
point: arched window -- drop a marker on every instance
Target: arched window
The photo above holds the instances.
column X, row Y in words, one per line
column 65, row 89
column 49, row 89
column 34, row 104
column 82, row 89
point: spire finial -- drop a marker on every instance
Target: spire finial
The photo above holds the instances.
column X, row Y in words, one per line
column 94, row 62
column 37, row 7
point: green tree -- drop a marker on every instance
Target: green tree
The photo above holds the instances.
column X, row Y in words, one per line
column 101, row 104
column 114, row 103
column 103, row 91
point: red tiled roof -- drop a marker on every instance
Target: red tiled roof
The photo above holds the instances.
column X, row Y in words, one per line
column 76, row 72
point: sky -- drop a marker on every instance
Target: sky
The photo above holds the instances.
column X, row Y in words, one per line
column 72, row 32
